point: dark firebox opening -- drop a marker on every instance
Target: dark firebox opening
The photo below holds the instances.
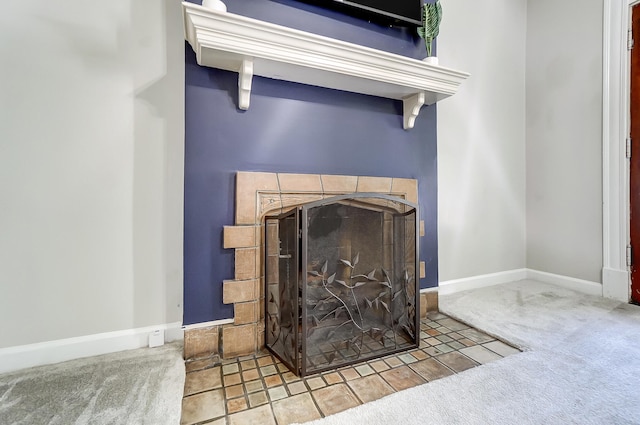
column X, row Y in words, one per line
column 341, row 284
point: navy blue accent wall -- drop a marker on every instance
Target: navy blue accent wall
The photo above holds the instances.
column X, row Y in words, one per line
column 291, row 128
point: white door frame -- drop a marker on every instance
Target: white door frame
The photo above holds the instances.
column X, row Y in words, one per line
column 616, row 281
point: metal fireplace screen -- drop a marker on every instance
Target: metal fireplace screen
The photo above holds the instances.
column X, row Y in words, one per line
column 341, row 281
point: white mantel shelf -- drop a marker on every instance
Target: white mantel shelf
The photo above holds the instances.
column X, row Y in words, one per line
column 251, row 47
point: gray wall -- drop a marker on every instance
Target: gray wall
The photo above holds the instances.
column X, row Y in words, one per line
column 481, row 139
column 564, row 137
column 91, row 154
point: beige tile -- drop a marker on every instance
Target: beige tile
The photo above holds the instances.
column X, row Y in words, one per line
column 454, row 325
column 201, row 343
column 296, row 409
column 265, row 360
column 233, row 391
column 379, row 366
column 269, row 204
column 272, row 381
column 202, row 407
column 297, row 387
column 334, row 399
column 349, row 374
column 374, row 184
column 238, row 340
column 475, row 335
column 364, row 370
column 423, row 270
column 393, row 361
column 260, row 415
column 407, row 186
column 195, row 365
column 250, row 375
column 258, row 399
column 260, row 332
column 232, row 379
column 247, row 186
column 277, row 393
column 422, row 233
column 290, row 200
column 432, row 301
column 300, row 182
column 221, row 421
column 230, row 368
column 407, row 358
column 402, row 377
column 248, row 364
column 290, row 377
column 480, row 354
column 467, row 342
column 236, row 405
column 431, row 369
column 419, row 354
column 239, row 236
column 423, row 305
column 456, row 361
column 253, row 386
column 339, row 184
column 333, row 378
column 268, row 370
column 245, row 264
column 370, row 388
column 315, row 383
column 237, row 291
column 245, row 313
column 208, row 379
column 501, row 348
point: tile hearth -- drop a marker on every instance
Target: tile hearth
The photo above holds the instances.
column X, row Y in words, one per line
column 260, row 389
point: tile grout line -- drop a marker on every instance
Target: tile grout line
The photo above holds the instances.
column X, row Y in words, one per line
column 436, row 353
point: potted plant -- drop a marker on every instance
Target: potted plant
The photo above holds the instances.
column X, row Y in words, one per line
column 431, row 17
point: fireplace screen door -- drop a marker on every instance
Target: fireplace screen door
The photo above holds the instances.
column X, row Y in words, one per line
column 341, row 284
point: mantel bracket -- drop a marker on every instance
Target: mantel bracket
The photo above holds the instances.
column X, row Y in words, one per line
column 245, row 78
column 411, row 106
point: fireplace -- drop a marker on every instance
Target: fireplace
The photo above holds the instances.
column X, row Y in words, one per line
column 260, row 195
column 340, row 281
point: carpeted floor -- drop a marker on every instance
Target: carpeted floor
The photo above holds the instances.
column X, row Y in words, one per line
column 141, row 386
column 581, row 364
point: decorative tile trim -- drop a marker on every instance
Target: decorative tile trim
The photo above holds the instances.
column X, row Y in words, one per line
column 240, row 236
column 262, row 194
column 239, row 291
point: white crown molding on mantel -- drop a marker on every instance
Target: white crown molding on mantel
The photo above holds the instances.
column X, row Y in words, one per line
column 251, row 47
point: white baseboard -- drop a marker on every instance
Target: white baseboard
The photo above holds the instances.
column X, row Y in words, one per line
column 43, row 353
column 616, row 284
column 579, row 285
column 481, row 281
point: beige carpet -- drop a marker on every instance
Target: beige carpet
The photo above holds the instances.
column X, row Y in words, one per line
column 581, row 364
column 141, row 386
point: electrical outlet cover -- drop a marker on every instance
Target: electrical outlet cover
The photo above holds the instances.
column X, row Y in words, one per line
column 156, row 338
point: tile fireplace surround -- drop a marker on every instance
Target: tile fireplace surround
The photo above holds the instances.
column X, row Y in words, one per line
column 258, row 195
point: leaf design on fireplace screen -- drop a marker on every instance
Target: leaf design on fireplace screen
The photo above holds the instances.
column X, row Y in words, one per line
column 354, row 296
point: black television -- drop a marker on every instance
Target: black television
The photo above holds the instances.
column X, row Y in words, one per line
column 390, row 12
